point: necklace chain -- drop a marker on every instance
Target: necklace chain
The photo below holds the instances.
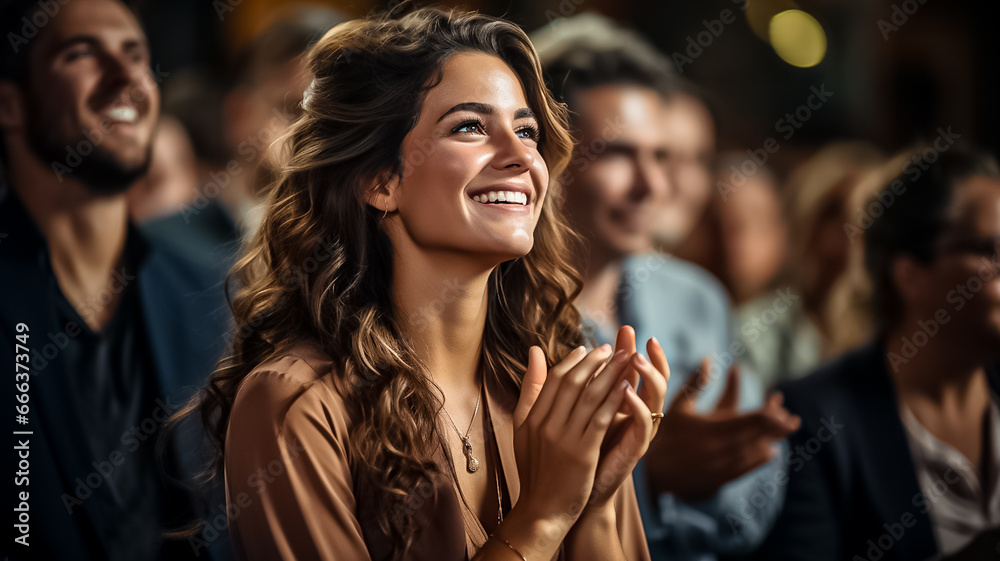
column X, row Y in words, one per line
column 471, row 463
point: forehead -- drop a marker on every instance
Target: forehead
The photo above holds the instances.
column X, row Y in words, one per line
column 687, row 121
column 475, row 78
column 620, row 112
column 107, row 21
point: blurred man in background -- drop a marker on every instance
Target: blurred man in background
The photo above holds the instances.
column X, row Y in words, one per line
column 688, row 129
column 714, row 448
column 112, row 330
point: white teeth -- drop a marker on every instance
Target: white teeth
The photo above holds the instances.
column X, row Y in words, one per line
column 508, row 197
column 127, row 114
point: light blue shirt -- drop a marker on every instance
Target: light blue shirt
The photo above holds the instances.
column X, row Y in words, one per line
column 687, row 310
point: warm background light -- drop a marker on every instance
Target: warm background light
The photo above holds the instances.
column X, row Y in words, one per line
column 797, row 38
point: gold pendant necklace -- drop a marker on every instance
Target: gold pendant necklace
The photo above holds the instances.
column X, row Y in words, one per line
column 471, row 463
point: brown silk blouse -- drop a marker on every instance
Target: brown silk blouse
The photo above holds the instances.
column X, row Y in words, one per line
column 289, row 480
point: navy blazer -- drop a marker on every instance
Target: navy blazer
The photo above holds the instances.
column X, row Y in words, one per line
column 186, row 318
column 852, row 486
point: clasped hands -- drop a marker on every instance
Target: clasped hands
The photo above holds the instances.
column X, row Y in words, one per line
column 581, row 425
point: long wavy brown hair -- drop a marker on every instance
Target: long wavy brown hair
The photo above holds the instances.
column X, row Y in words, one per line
column 371, row 76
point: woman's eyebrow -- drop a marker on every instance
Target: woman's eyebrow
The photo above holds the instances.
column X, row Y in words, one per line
column 485, row 109
column 474, row 107
column 524, row 113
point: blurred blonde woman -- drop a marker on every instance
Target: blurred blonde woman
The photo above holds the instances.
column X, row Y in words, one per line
column 818, row 205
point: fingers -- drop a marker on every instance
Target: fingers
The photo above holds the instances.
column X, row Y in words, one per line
column 640, row 428
column 625, row 341
column 692, row 387
column 774, row 406
column 760, row 424
column 566, row 389
column 547, row 395
column 658, row 357
column 531, row 386
column 578, row 400
column 730, row 400
column 598, row 423
column 653, row 390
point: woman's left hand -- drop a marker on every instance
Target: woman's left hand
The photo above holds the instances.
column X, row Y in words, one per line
column 632, row 430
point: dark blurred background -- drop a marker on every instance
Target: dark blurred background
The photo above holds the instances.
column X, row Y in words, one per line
column 897, row 70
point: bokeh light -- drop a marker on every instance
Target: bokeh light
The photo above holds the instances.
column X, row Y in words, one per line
column 797, row 38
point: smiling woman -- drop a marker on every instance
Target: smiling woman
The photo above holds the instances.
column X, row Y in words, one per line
column 422, row 392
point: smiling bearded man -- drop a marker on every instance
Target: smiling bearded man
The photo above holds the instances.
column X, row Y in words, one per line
column 103, row 328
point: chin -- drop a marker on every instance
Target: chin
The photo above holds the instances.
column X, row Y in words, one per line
column 629, row 246
column 513, row 249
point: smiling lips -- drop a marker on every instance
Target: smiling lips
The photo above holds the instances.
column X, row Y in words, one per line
column 502, row 197
column 122, row 114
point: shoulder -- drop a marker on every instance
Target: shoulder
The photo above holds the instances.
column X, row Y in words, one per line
column 684, row 274
column 659, row 282
column 840, row 376
column 291, row 391
column 664, row 273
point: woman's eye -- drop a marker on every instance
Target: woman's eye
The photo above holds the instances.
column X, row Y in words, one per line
column 530, row 133
column 475, row 127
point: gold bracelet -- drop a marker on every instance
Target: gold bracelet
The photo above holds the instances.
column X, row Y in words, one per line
column 512, row 548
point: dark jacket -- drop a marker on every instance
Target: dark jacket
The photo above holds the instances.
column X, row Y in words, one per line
column 186, row 320
column 852, row 490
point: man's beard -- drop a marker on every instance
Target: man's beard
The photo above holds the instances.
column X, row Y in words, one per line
column 99, row 171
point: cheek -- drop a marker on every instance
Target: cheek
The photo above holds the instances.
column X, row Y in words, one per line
column 540, row 178
column 434, row 181
column 607, row 181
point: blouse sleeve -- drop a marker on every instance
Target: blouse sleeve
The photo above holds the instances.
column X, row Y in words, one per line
column 630, row 530
column 288, row 477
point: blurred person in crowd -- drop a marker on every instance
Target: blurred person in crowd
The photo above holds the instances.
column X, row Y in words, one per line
column 752, row 247
column 754, row 234
column 417, row 384
column 849, row 301
column 899, row 450
column 715, row 448
column 818, row 195
column 113, row 329
column 172, row 179
column 743, row 233
column 688, row 128
column 264, row 96
column 789, row 332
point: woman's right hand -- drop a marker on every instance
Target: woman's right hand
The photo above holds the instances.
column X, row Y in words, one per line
column 560, row 421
